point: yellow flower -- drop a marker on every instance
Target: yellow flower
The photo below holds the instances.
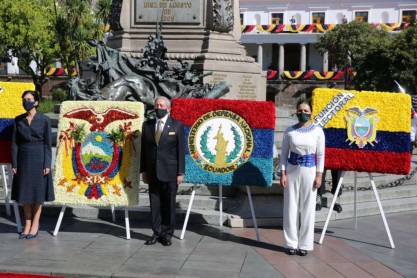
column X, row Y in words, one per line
column 11, row 98
column 129, row 166
column 393, row 108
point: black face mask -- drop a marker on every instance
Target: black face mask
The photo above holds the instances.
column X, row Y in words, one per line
column 28, row 105
column 160, row 113
column 303, row 117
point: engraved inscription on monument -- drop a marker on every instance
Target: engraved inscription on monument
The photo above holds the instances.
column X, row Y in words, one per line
column 171, row 11
column 247, row 90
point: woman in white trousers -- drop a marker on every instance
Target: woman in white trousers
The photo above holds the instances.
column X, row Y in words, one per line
column 302, row 164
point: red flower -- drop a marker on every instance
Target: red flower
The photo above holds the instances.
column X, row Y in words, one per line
column 258, row 114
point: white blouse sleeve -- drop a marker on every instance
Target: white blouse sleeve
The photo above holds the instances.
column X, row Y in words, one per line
column 285, row 148
column 320, row 150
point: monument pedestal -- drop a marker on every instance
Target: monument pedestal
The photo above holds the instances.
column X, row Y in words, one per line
column 192, row 33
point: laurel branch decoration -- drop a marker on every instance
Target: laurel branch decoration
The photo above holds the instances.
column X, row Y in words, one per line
column 117, row 135
column 203, row 144
column 238, row 146
column 79, row 133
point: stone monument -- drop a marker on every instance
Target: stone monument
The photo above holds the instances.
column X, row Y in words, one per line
column 203, row 33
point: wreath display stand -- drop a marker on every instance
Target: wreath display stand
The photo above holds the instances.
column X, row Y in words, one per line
column 4, row 177
column 371, row 179
column 5, row 189
column 190, row 204
column 127, row 222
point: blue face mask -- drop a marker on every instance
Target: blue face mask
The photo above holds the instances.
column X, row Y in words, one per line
column 303, row 117
column 28, row 105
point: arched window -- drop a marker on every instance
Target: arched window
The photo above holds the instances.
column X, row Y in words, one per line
column 298, row 18
column 339, row 18
column 257, row 19
column 385, row 17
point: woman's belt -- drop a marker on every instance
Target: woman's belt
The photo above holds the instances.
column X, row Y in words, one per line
column 307, row 160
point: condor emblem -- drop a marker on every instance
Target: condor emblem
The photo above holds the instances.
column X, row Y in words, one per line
column 220, row 141
column 362, row 126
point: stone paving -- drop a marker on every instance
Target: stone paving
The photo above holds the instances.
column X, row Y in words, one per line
column 98, row 248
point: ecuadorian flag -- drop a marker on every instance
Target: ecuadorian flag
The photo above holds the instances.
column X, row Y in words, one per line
column 228, row 142
column 366, row 132
column 10, row 107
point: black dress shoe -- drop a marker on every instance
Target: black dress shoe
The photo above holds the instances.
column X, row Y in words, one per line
column 166, row 241
column 151, row 241
column 303, row 252
column 291, row 251
column 337, row 208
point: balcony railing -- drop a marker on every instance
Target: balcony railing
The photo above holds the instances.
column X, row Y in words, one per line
column 312, row 28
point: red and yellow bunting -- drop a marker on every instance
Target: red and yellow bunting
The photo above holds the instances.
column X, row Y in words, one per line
column 305, row 28
column 290, row 74
column 325, row 27
column 60, row 72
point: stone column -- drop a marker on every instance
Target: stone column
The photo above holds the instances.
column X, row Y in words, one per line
column 260, row 55
column 281, row 60
column 303, row 57
column 326, row 61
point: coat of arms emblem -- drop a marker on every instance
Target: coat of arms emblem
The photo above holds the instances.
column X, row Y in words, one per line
column 220, row 141
column 362, row 126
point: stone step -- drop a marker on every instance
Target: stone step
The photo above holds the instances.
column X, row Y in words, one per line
column 200, row 202
column 268, row 208
column 142, row 213
column 363, row 209
column 272, row 215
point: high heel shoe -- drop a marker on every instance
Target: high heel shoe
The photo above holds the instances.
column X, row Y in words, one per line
column 22, row 236
column 30, row 236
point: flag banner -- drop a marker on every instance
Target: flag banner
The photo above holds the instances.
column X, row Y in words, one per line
column 228, row 142
column 10, row 107
column 365, row 131
column 98, row 153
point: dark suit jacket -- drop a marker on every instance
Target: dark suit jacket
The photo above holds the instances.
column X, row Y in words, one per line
column 167, row 160
column 38, row 131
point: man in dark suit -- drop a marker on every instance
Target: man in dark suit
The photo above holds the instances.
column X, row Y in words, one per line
column 162, row 164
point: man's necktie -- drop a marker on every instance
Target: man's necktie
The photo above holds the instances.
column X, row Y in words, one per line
column 158, row 132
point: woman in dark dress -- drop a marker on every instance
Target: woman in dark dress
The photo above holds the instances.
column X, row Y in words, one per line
column 31, row 163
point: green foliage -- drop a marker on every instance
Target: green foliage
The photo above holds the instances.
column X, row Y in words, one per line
column 117, row 135
column 27, row 28
column 47, row 105
column 238, row 146
column 377, row 56
column 404, row 62
column 77, row 22
column 59, row 95
column 348, row 43
column 79, row 133
column 203, row 144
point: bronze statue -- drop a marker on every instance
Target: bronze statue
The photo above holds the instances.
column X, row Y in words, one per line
column 119, row 77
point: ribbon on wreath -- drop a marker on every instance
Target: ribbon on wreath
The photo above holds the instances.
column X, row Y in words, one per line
column 129, row 135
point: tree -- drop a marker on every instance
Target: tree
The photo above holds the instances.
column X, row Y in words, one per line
column 349, row 44
column 27, row 29
column 374, row 74
column 403, row 67
column 77, row 22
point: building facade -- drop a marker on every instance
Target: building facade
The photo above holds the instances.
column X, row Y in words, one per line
column 281, row 34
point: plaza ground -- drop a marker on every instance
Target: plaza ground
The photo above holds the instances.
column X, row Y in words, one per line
column 98, row 248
